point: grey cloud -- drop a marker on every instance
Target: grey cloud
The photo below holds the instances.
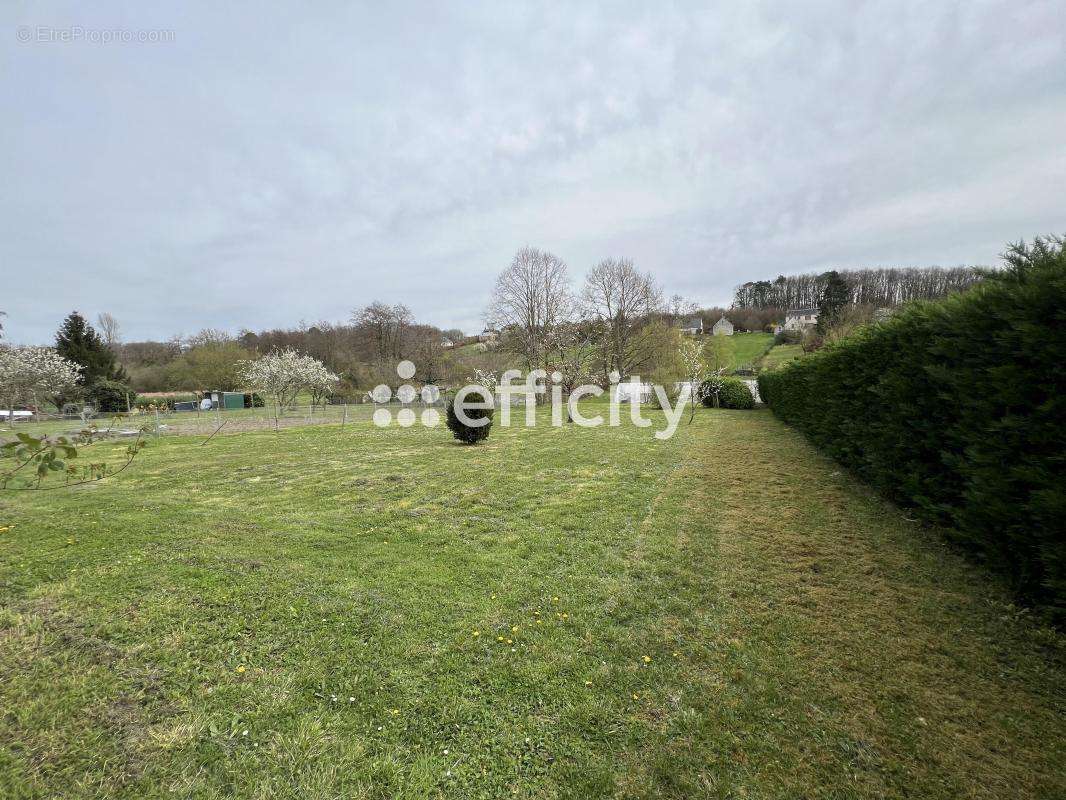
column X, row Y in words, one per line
column 274, row 162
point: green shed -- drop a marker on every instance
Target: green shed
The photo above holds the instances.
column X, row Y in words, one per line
column 233, row 400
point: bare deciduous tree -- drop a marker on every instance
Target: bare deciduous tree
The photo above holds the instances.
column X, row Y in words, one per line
column 109, row 329
column 208, row 336
column 531, row 297
column 680, row 307
column 386, row 325
column 620, row 299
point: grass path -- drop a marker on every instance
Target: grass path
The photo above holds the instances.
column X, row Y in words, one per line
column 557, row 613
column 781, row 354
column 748, row 347
column 846, row 649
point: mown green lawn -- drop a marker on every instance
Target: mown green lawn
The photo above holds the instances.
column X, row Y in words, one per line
column 781, row 354
column 328, row 613
column 748, row 347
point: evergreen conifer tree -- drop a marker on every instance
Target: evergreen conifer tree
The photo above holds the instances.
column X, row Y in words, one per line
column 834, row 297
column 77, row 341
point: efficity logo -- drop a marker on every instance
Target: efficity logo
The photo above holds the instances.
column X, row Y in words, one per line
column 512, row 390
column 406, row 394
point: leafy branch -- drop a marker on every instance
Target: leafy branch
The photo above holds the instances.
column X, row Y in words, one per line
column 37, row 457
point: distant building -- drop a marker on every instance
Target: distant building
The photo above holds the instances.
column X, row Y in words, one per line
column 489, row 336
column 722, row 327
column 693, row 326
column 797, row 319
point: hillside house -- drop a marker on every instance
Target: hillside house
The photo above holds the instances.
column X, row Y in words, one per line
column 693, row 326
column 722, row 327
column 798, row 319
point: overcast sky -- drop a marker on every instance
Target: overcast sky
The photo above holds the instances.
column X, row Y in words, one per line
column 276, row 163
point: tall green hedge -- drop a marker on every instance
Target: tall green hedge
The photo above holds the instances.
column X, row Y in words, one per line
column 957, row 407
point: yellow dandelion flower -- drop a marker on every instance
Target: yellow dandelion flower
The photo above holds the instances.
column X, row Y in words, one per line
column 510, row 641
column 477, row 633
column 240, row 668
column 514, row 629
column 647, row 659
column 539, row 621
column 499, row 638
column 588, row 683
column 635, row 697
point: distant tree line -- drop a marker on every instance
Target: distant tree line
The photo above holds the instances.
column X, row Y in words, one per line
column 881, row 287
column 614, row 320
column 363, row 351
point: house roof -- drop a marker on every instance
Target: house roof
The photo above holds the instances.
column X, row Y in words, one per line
column 795, row 312
column 723, row 319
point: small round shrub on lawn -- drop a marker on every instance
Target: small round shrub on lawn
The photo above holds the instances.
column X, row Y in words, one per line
column 733, row 393
column 469, row 434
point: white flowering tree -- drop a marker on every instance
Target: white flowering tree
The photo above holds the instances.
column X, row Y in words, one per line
column 320, row 381
column 484, row 378
column 693, row 360
column 283, row 374
column 28, row 373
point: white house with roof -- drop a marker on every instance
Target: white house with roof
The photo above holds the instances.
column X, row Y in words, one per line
column 693, row 326
column 798, row 319
column 722, row 327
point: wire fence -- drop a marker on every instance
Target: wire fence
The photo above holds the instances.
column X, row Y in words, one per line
column 224, row 421
column 227, row 421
